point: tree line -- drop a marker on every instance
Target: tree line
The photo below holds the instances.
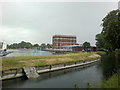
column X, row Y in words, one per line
column 28, row 45
column 109, row 38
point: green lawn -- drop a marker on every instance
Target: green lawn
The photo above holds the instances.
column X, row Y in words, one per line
column 27, row 61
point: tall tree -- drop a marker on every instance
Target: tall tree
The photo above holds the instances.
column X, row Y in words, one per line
column 111, row 30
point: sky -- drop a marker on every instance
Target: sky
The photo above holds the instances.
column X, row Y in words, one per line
column 37, row 22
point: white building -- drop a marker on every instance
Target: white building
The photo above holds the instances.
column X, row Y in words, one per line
column 3, row 46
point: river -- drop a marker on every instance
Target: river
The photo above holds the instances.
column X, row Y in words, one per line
column 27, row 53
column 93, row 74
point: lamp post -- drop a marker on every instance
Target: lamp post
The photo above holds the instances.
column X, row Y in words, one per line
column 119, row 5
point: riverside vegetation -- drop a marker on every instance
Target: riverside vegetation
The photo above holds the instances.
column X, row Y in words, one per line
column 109, row 41
column 28, row 61
column 112, row 82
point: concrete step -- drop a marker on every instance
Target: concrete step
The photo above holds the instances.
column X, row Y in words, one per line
column 30, row 72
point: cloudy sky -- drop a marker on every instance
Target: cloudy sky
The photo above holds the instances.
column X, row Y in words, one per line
column 37, row 22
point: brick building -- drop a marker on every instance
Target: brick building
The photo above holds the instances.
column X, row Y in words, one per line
column 60, row 41
column 93, row 48
column 77, row 48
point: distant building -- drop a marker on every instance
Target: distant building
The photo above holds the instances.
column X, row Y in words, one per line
column 93, row 48
column 73, row 48
column 77, row 48
column 62, row 42
column 3, row 46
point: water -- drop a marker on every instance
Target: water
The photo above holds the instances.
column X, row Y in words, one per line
column 61, row 79
column 28, row 53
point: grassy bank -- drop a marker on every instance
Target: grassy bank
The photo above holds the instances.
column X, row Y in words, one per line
column 27, row 61
column 111, row 82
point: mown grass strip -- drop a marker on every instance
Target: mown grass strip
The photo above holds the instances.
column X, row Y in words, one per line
column 27, row 61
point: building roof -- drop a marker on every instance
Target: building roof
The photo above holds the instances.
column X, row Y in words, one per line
column 64, row 35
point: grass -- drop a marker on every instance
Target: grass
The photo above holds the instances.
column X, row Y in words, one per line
column 111, row 82
column 27, row 61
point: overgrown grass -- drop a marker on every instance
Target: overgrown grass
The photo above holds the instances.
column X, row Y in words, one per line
column 111, row 82
column 27, row 61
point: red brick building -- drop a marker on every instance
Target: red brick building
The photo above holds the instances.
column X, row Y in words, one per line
column 59, row 41
column 93, row 48
column 77, row 48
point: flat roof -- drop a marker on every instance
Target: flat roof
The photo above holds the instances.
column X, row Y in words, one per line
column 65, row 35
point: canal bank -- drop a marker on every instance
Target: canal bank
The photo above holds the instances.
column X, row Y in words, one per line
column 10, row 63
column 15, row 73
column 65, row 78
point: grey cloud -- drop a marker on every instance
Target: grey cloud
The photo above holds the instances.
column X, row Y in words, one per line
column 42, row 20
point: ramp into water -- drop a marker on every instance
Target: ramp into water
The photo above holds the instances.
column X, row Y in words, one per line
column 30, row 72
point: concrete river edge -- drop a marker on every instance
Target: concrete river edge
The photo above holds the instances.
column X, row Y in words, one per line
column 15, row 73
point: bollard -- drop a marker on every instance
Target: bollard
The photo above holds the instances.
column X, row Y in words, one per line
column 50, row 67
column 64, row 65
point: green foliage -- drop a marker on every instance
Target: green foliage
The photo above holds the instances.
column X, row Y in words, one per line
column 111, row 82
column 21, row 45
column 28, row 45
column 109, row 38
column 43, row 46
column 76, row 87
column 49, row 46
column 88, row 85
column 86, row 46
column 100, row 43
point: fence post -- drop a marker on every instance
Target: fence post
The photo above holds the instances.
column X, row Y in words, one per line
column 50, row 67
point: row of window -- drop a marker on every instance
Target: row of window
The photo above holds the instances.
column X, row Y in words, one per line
column 61, row 44
column 64, row 42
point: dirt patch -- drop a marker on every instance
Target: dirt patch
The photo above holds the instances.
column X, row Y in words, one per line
column 94, row 55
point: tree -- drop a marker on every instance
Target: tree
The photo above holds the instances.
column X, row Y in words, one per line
column 43, row 46
column 100, row 42
column 111, row 31
column 36, row 46
column 86, row 46
column 22, row 44
column 49, row 46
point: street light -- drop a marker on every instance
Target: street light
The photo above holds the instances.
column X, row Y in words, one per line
column 119, row 5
